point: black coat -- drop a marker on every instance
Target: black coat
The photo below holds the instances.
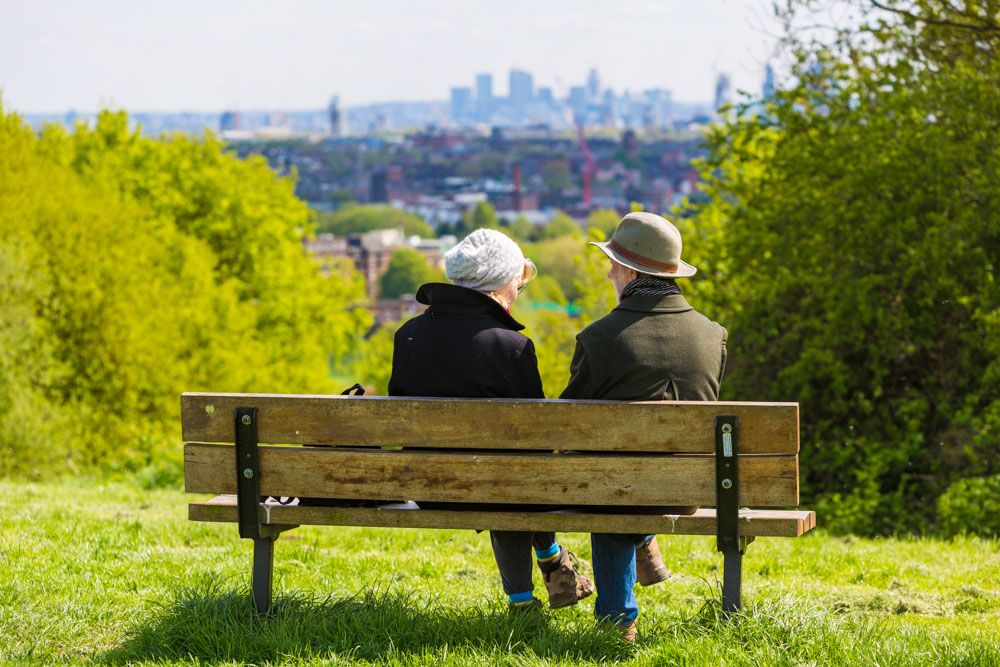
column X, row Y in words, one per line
column 465, row 345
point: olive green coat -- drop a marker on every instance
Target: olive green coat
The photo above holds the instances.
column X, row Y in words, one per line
column 649, row 348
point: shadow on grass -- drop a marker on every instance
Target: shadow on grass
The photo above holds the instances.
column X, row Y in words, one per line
column 212, row 623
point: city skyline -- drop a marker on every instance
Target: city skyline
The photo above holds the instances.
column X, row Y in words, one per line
column 57, row 56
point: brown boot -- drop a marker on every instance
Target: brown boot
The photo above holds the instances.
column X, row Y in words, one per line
column 564, row 582
column 628, row 632
column 649, row 567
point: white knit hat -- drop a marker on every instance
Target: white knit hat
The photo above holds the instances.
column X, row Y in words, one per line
column 485, row 261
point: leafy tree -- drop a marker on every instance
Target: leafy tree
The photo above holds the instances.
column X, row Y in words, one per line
column 408, row 270
column 521, row 229
column 481, row 216
column 604, row 219
column 561, row 225
column 360, row 218
column 850, row 245
column 133, row 269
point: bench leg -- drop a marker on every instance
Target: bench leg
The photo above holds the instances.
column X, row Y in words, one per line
column 732, row 574
column 263, row 569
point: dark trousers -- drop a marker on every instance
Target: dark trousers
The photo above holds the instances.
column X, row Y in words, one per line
column 512, row 549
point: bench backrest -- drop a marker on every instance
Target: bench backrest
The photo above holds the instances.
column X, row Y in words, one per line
column 641, row 453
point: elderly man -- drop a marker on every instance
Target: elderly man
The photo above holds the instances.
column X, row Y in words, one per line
column 652, row 346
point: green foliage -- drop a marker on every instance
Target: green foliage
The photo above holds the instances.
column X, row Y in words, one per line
column 360, row 218
column 561, row 225
column 971, row 506
column 521, row 229
column 605, row 220
column 850, row 245
column 408, row 269
column 481, row 216
column 134, row 269
column 597, row 293
column 370, row 362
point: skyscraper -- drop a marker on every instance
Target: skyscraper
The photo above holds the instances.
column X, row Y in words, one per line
column 723, row 87
column 767, row 90
column 522, row 87
column 593, row 84
column 461, row 104
column 336, row 117
column 484, row 95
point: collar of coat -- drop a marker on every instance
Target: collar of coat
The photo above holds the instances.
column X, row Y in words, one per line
column 652, row 303
column 463, row 303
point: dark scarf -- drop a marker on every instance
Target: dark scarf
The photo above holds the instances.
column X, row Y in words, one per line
column 650, row 285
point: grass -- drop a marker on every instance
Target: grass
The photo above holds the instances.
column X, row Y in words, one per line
column 114, row 574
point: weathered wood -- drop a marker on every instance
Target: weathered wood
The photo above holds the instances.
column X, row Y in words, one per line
column 659, row 426
column 574, row 479
column 753, row 523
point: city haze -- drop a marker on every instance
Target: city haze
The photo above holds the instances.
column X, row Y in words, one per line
column 58, row 55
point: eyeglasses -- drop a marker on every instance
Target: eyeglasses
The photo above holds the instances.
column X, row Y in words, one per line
column 520, row 287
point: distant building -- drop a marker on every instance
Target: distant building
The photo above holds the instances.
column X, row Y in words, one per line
column 593, row 85
column 723, row 91
column 545, row 95
column 522, row 87
column 336, row 117
column 379, row 190
column 461, row 104
column 229, row 121
column 371, row 253
column 578, row 100
column 484, row 95
column 767, row 90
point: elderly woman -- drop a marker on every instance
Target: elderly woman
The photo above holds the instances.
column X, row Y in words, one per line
column 467, row 345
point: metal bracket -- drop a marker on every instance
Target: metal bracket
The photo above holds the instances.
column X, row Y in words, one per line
column 248, row 475
column 727, row 485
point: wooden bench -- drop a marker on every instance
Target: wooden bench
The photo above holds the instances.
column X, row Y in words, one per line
column 726, row 455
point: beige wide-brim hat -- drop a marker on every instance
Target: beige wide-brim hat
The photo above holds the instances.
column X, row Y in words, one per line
column 649, row 244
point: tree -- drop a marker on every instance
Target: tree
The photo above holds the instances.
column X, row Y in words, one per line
column 133, row 269
column 361, row 218
column 521, row 229
column 408, row 270
column 561, row 225
column 482, row 216
column 851, row 242
column 604, row 219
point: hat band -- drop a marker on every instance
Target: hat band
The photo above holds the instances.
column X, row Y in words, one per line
column 639, row 259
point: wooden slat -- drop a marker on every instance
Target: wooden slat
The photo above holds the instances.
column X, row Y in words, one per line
column 660, row 426
column 754, row 523
column 581, row 479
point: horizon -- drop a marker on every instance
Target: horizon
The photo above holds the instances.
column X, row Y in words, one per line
column 187, row 58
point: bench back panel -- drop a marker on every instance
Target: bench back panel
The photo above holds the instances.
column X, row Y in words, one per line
column 525, row 477
column 611, row 426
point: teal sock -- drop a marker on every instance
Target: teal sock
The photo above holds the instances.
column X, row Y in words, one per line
column 521, row 599
column 546, row 555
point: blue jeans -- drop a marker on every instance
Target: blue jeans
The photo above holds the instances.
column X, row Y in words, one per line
column 613, row 557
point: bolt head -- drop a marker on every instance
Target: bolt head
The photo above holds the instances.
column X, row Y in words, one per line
column 727, row 483
column 246, row 420
column 727, row 428
column 248, row 473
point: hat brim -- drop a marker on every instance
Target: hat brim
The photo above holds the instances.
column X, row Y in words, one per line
column 684, row 270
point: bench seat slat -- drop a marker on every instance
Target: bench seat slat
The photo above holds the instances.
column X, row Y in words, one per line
column 753, row 523
column 656, row 426
column 324, row 472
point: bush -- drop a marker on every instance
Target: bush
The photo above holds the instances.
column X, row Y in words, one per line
column 971, row 505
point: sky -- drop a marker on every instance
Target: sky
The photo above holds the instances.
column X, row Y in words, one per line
column 209, row 55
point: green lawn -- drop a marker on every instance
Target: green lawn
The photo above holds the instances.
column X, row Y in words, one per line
column 116, row 574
